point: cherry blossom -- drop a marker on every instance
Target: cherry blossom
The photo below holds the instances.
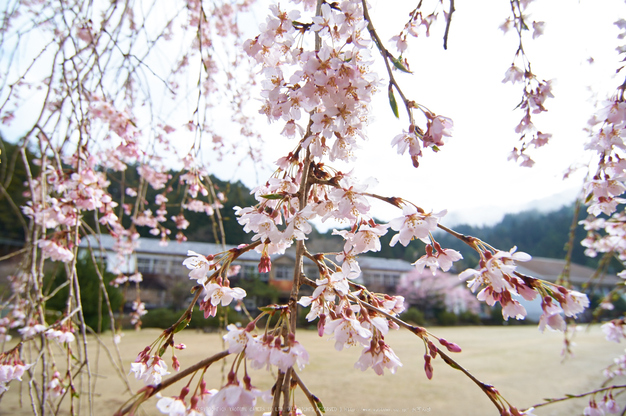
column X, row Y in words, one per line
column 573, row 302
column 55, row 252
column 592, row 409
column 513, row 75
column 443, row 259
column 348, row 332
column 232, row 400
column 236, row 338
column 379, row 356
column 407, row 140
column 11, row 368
column 149, row 369
column 367, row 238
column 438, row 128
column 614, row 330
column 199, row 265
column 55, row 386
column 223, row 294
column 62, row 335
column 172, row 406
column 414, row 224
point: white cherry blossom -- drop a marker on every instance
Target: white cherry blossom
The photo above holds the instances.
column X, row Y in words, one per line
column 199, row 265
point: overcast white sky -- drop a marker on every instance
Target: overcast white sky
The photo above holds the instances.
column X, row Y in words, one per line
column 471, row 176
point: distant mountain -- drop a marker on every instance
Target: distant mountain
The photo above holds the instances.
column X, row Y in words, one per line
column 491, row 215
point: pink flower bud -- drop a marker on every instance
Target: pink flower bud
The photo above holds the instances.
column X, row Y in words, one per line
column 265, row 265
column 428, row 367
column 451, row 346
column 320, row 325
column 194, row 402
column 432, row 348
column 184, row 392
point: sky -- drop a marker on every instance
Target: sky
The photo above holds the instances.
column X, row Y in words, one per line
column 471, row 176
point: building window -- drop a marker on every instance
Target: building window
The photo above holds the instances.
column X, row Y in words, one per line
column 313, row 273
column 381, row 279
column 284, row 272
column 144, row 264
column 161, row 266
column 390, row 280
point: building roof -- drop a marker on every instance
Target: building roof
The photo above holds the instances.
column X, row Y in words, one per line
column 550, row 269
column 173, row 248
column 379, row 263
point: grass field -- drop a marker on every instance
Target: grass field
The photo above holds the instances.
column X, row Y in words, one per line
column 524, row 365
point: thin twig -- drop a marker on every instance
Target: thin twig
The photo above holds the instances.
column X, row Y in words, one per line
column 578, row 396
column 448, row 22
column 312, row 398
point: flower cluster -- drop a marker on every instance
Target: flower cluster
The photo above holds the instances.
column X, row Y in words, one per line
column 607, row 405
column 217, row 287
column 11, row 368
column 351, row 325
column 198, row 403
column 149, row 368
column 419, row 23
column 535, row 92
column 331, row 83
column 501, row 283
column 606, row 225
column 55, row 386
column 266, row 350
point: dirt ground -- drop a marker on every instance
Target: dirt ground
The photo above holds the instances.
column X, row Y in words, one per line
column 524, row 365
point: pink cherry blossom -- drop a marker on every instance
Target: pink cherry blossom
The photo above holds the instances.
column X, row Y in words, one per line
column 11, row 370
column 150, row 370
column 347, row 332
column 614, row 331
column 438, row 128
column 513, row 75
column 538, row 29
column 232, row 400
column 62, row 335
column 223, row 294
column 514, row 309
column 55, row 252
column 407, row 140
column 172, row 406
column 378, row 357
column 414, row 224
column 55, row 386
column 236, row 339
column 574, row 302
column 367, row 238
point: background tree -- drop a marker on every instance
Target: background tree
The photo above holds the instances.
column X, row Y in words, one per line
column 94, row 307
